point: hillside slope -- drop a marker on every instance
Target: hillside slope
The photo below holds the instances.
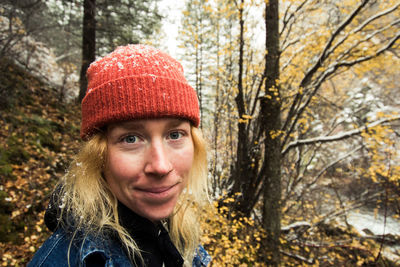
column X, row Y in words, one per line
column 38, row 136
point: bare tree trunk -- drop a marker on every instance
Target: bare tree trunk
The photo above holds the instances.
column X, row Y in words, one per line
column 271, row 124
column 243, row 174
column 215, row 172
column 88, row 43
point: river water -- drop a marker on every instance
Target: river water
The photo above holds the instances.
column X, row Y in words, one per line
column 378, row 225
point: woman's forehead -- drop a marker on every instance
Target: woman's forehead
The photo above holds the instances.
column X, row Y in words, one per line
column 142, row 123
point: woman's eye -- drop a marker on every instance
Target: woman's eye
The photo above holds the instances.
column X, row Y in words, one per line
column 130, row 139
column 175, row 135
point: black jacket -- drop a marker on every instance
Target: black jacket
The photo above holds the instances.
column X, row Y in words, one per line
column 152, row 239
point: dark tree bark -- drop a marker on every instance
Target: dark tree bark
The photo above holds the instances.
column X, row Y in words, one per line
column 271, row 124
column 244, row 173
column 88, row 43
column 252, row 177
column 242, row 136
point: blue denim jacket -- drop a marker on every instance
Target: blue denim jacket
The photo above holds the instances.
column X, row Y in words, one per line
column 54, row 252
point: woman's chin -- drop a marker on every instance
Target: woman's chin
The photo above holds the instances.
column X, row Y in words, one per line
column 156, row 214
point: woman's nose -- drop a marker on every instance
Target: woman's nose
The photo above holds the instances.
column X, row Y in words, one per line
column 158, row 161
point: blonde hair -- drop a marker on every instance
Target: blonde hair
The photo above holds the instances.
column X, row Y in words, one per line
column 86, row 196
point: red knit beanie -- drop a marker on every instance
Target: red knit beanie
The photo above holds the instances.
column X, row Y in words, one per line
column 136, row 82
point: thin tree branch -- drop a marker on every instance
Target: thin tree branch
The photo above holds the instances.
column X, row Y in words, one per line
column 362, row 26
column 311, row 72
column 289, row 21
column 328, row 73
column 338, row 137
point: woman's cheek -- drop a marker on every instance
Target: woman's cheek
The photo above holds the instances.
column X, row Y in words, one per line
column 185, row 161
column 122, row 166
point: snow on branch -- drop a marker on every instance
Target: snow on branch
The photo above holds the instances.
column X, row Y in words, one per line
column 338, row 137
column 324, row 54
column 289, row 21
column 294, row 226
column 362, row 26
column 375, row 17
column 366, row 58
column 293, row 116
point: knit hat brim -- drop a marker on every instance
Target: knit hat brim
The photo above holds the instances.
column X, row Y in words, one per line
column 143, row 97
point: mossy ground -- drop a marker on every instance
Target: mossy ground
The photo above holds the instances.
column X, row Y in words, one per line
column 38, row 137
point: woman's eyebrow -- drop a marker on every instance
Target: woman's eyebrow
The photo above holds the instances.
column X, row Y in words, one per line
column 131, row 125
column 139, row 125
column 175, row 123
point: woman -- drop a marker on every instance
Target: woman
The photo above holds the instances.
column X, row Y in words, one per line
column 134, row 193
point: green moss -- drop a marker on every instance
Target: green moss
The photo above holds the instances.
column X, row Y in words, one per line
column 13, row 85
column 43, row 130
column 6, row 170
column 7, row 228
column 5, row 165
column 15, row 153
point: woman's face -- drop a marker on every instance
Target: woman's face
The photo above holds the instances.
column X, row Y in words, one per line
column 148, row 163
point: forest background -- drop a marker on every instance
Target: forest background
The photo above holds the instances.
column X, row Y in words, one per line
column 299, row 106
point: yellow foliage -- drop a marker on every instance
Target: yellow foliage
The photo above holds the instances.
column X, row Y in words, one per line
column 382, row 149
column 230, row 242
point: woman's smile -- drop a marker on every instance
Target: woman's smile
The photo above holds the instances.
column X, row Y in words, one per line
column 156, row 190
column 159, row 193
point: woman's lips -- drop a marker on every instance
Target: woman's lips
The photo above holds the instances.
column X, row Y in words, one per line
column 156, row 190
column 158, row 193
